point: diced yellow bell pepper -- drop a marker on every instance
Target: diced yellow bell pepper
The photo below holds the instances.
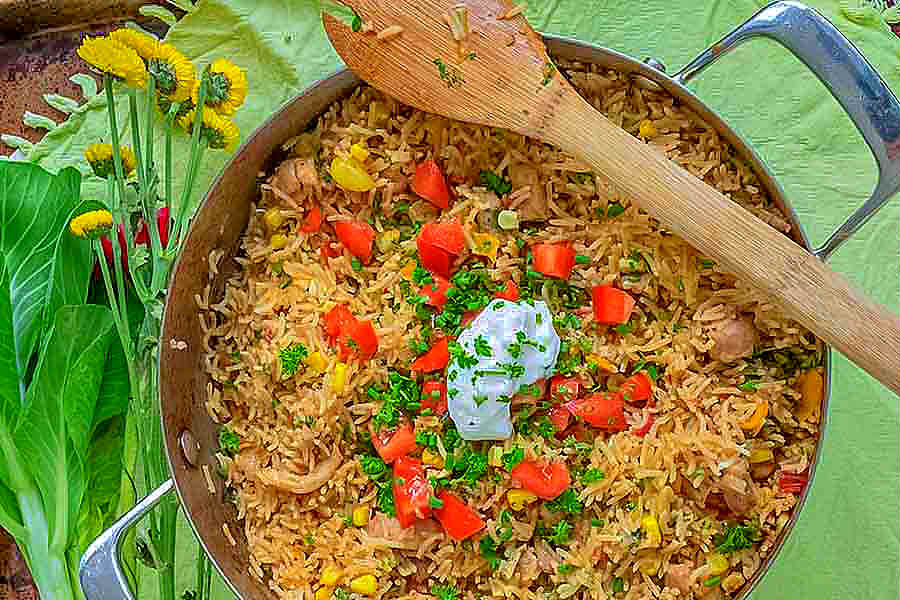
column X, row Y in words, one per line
column 718, row 564
column 812, row 390
column 316, row 361
column 350, row 174
column 601, row 363
column 485, row 244
column 755, row 421
column 364, row 584
column 340, row 378
column 647, row 129
column 760, row 455
column 359, row 152
column 330, row 576
column 324, row 593
column 361, row 516
column 432, row 458
column 278, row 241
column 273, row 219
column 650, row 526
column 519, row 498
column 407, row 270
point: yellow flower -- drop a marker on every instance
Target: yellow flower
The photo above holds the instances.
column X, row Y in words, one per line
column 173, row 72
column 100, row 157
column 220, row 132
column 91, row 224
column 114, row 58
column 226, row 87
column 138, row 41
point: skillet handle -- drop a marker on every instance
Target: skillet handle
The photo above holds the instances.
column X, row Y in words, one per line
column 100, row 572
column 854, row 83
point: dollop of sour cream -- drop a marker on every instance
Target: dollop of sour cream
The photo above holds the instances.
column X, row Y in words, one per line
column 509, row 345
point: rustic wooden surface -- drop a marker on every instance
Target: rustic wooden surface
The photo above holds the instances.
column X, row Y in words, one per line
column 19, row 18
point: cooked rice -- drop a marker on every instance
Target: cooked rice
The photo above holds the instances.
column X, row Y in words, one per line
column 694, row 452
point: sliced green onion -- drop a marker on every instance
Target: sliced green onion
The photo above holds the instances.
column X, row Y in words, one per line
column 581, row 259
column 508, row 220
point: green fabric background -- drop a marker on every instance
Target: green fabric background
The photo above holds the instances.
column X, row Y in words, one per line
column 847, row 542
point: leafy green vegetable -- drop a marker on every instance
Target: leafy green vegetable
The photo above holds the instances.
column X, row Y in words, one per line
column 229, row 441
column 567, row 503
column 445, row 592
column 592, row 476
column 737, row 537
column 614, row 210
column 495, row 183
column 489, row 549
column 291, row 357
column 512, row 458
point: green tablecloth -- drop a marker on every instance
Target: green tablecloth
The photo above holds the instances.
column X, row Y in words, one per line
column 847, row 542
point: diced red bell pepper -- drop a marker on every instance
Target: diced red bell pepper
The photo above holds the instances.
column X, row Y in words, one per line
column 559, row 416
column 412, row 496
column 612, row 306
column 644, row 429
column 435, row 359
column 510, row 292
column 313, row 221
column 429, row 183
column 436, row 292
column 459, row 520
column 554, row 260
column 391, row 445
column 604, row 410
column 434, row 397
column 329, row 251
column 564, row 389
column 792, row 483
column 446, row 236
column 358, row 237
column 637, row 388
column 546, row 481
column 437, row 261
column 359, row 337
column 335, row 321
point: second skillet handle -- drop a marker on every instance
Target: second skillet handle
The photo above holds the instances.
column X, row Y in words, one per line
column 854, row 83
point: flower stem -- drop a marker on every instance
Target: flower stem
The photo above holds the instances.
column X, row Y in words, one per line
column 136, row 134
column 196, row 152
column 119, row 278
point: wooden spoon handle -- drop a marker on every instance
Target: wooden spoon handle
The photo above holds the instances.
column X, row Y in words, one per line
column 800, row 284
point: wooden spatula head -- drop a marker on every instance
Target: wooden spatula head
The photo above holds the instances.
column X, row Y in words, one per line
column 498, row 75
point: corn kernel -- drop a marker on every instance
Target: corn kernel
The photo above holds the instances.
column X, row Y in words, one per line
column 519, row 498
column 407, row 270
column 316, row 361
column 361, row 516
column 485, row 244
column 601, row 363
column 647, row 129
column 351, row 175
column 359, row 152
column 650, row 565
column 273, row 219
column 364, row 584
column 652, row 534
column 324, row 593
column 278, row 241
column 432, row 458
column 330, row 576
column 718, row 564
column 760, row 455
column 340, row 378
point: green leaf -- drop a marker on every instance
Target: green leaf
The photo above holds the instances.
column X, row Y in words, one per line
column 15, row 141
column 54, row 425
column 160, row 12
column 61, row 103
column 87, row 84
column 35, row 208
column 38, row 121
column 104, row 479
column 185, row 5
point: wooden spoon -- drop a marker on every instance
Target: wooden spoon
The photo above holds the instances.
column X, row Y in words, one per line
column 509, row 81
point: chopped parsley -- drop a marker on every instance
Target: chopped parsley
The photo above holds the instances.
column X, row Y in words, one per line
column 713, row 581
column 460, row 356
column 737, row 537
column 495, row 183
column 531, row 389
column 469, row 468
column 445, row 592
column 418, row 346
column 548, row 71
column 421, row 277
column 565, row 569
column 652, row 369
column 624, row 328
column 598, row 522
column 341, row 594
column 614, row 210
column 557, row 535
column 470, row 290
column 384, row 500
column 435, row 502
column 582, row 260
column 373, row 466
column 592, row 476
column 401, row 395
column 749, row 385
column 567, row 502
column 291, row 357
column 482, row 348
column 356, row 264
column 707, row 264
column 489, row 551
column 618, row 585
column 448, row 73
column 229, row 441
column 512, row 458
column 356, row 23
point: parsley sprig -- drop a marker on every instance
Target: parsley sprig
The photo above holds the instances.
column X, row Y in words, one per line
column 401, row 396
